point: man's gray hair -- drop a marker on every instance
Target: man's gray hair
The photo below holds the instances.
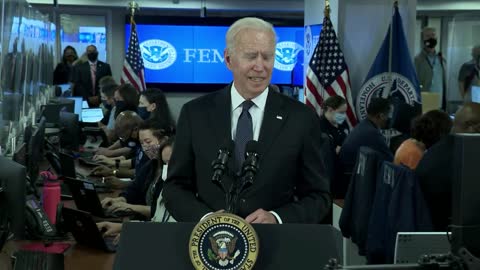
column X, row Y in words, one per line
column 246, row 23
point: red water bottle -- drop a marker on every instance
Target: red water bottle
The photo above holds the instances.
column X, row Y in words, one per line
column 51, row 195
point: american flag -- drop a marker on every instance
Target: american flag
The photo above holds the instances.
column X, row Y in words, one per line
column 327, row 73
column 133, row 70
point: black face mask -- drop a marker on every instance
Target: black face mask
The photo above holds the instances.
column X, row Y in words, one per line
column 106, row 105
column 120, row 104
column 430, row 43
column 143, row 113
column 92, row 56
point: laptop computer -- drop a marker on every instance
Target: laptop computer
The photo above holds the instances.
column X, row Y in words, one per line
column 84, row 229
column 410, row 246
column 86, row 198
column 475, row 94
column 92, row 115
column 67, row 163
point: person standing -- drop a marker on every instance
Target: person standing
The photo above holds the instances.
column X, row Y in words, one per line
column 430, row 66
column 291, row 185
column 86, row 77
column 469, row 76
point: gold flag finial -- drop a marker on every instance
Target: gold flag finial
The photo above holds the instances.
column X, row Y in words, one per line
column 327, row 8
column 133, row 7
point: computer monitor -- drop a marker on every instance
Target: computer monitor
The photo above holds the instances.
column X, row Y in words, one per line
column 78, row 105
column 20, row 155
column 93, row 115
column 465, row 190
column 12, row 197
column 52, row 110
column 475, row 94
column 85, row 105
column 35, row 152
column 69, row 138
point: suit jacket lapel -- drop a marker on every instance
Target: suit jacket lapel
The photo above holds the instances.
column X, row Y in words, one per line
column 219, row 114
column 274, row 117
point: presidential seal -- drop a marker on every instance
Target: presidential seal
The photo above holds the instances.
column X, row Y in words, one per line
column 392, row 84
column 223, row 241
column 286, row 55
column 158, row 54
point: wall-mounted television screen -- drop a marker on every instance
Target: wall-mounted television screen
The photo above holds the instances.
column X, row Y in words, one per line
column 193, row 54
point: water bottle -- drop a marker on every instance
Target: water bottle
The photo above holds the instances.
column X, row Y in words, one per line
column 51, row 195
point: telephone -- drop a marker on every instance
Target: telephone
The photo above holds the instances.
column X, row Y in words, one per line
column 37, row 223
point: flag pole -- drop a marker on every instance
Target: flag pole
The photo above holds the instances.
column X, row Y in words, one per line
column 390, row 53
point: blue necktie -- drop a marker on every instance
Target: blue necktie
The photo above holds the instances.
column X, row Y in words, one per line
column 244, row 133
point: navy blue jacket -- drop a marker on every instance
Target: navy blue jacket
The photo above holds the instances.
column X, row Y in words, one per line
column 136, row 192
column 364, row 134
column 359, row 199
column 398, row 206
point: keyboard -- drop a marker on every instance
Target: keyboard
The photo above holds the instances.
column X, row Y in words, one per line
column 29, row 260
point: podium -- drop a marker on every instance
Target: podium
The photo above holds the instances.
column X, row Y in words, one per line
column 151, row 245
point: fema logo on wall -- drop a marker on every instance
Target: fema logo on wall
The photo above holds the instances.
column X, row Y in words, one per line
column 223, row 242
column 400, row 88
column 286, row 55
column 308, row 40
column 157, row 54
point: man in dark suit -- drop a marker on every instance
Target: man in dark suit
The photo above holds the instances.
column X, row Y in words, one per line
column 291, row 185
column 87, row 75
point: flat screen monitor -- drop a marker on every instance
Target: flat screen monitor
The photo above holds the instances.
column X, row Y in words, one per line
column 193, row 54
column 85, row 105
column 78, row 105
column 35, row 151
column 64, row 88
column 20, row 155
column 92, row 115
column 69, row 139
column 465, row 190
column 475, row 94
column 12, row 199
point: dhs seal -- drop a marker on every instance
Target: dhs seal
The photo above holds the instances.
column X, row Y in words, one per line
column 392, row 84
column 223, row 242
column 158, row 54
column 286, row 55
column 308, row 40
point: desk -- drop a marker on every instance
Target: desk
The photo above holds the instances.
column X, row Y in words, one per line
column 85, row 258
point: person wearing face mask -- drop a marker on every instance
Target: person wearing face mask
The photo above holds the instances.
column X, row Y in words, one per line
column 126, row 99
column 86, row 77
column 430, row 66
column 367, row 133
column 157, row 210
column 333, row 121
column 141, row 195
column 153, row 105
column 63, row 70
column 469, row 75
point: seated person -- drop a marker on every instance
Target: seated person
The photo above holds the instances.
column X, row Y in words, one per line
column 435, row 169
column 367, row 133
column 157, row 209
column 126, row 128
column 333, row 121
column 108, row 102
column 427, row 130
column 144, row 190
column 153, row 105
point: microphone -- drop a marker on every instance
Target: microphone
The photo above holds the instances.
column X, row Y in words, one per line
column 219, row 165
column 250, row 166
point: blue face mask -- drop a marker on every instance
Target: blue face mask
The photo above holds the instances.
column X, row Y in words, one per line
column 143, row 113
column 340, row 118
